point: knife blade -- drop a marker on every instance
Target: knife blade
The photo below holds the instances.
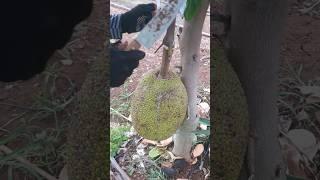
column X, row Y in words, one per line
column 157, row 25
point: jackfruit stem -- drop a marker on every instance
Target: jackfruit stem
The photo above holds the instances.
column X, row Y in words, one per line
column 168, row 44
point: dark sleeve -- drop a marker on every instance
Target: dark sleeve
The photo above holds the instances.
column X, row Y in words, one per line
column 33, row 30
column 115, row 27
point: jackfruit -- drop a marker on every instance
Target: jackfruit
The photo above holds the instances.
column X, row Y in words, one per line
column 159, row 106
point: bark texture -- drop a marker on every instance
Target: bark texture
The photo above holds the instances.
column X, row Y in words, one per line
column 254, row 46
column 190, row 52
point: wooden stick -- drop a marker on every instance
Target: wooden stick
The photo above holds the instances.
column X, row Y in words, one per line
column 121, row 115
column 115, row 176
column 115, row 165
column 168, row 43
column 44, row 174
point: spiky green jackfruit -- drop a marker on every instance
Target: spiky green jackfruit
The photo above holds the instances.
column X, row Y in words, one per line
column 159, row 106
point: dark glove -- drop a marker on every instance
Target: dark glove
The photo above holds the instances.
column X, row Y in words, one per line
column 33, row 30
column 122, row 65
column 135, row 19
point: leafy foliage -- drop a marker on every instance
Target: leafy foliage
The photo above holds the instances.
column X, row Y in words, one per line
column 117, row 138
column 192, row 9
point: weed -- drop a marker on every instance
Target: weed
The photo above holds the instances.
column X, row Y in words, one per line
column 117, row 138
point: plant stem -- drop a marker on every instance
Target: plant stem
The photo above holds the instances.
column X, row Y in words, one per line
column 168, row 43
column 43, row 173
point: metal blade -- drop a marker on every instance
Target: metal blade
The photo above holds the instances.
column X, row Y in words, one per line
column 159, row 23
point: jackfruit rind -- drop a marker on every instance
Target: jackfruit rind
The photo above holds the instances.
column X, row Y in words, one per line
column 158, row 106
column 230, row 120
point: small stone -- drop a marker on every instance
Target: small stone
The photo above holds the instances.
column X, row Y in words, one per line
column 9, row 86
column 67, row 62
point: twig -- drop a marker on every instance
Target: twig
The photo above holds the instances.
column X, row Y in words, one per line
column 168, row 43
column 115, row 176
column 18, row 106
column 115, row 165
column 4, row 130
column 303, row 154
column 158, row 48
column 6, row 150
column 13, row 119
column 118, row 113
column 205, row 57
column 306, row 10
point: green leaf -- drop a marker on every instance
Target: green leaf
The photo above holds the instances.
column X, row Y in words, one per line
column 289, row 177
column 202, row 132
column 204, row 121
column 117, row 138
column 192, row 9
column 155, row 152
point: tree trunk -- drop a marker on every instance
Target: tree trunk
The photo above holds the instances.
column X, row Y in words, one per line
column 254, row 46
column 88, row 134
column 190, row 56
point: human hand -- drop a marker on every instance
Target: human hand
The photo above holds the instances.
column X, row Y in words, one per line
column 122, row 64
column 135, row 19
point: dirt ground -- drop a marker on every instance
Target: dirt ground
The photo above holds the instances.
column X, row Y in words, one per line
column 44, row 103
column 301, row 45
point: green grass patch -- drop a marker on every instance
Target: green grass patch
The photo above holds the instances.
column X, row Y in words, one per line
column 117, row 138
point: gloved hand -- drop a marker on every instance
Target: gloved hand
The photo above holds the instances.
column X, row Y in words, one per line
column 122, row 64
column 135, row 19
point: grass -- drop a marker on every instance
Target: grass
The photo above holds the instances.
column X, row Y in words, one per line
column 34, row 137
column 121, row 103
column 297, row 109
column 117, row 138
column 155, row 174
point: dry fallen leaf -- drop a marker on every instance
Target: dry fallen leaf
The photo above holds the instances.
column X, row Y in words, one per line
column 205, row 106
column 165, row 142
column 63, row 174
column 302, row 115
column 162, row 143
column 198, row 150
column 194, row 161
column 305, row 140
column 173, row 157
column 292, row 158
column 147, row 141
column 313, row 90
column 67, row 62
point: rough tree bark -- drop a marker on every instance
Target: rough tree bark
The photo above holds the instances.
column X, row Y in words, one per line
column 190, row 56
column 254, row 46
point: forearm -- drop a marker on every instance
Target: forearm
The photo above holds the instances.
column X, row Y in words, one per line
column 115, row 27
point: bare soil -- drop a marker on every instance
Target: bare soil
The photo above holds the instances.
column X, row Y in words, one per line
column 18, row 99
